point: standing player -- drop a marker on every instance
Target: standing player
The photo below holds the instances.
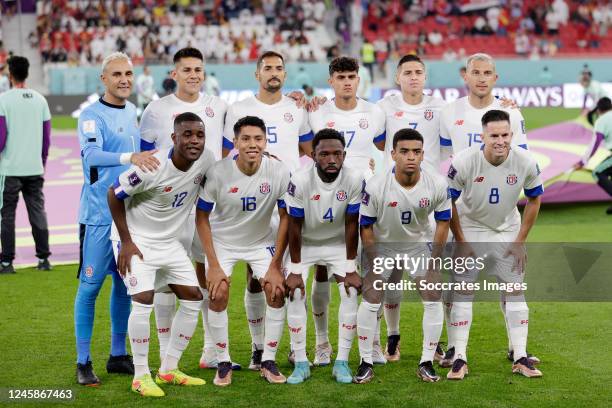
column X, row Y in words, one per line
column 156, row 127
column 244, row 192
column 108, row 135
column 362, row 124
column 414, row 110
column 149, row 210
column 288, row 133
column 602, row 132
column 395, row 213
column 323, row 205
column 461, row 128
column 490, row 180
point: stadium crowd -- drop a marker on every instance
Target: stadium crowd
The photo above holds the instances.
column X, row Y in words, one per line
column 233, row 31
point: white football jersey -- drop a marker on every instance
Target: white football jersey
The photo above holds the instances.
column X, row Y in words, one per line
column 490, row 193
column 157, row 123
column 461, row 125
column 424, row 117
column 286, row 126
column 402, row 215
column 361, row 127
column 243, row 204
column 158, row 203
column 323, row 205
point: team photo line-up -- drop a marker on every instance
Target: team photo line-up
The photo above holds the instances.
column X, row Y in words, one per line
column 284, row 183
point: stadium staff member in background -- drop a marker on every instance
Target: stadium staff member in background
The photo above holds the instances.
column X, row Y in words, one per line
column 602, row 132
column 25, row 131
column 110, row 140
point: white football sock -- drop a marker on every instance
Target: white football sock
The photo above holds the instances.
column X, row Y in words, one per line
column 209, row 344
column 139, row 330
column 433, row 319
column 296, row 320
column 347, row 321
column 275, row 321
column 366, row 324
column 320, row 297
column 255, row 306
column 183, row 326
column 518, row 322
column 379, row 315
column 165, row 309
column 447, row 304
column 460, row 323
column 217, row 324
column 391, row 308
column 502, row 305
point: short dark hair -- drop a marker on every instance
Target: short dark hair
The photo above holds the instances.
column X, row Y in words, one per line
column 343, row 64
column 406, row 134
column 327, row 134
column 604, row 104
column 268, row 54
column 249, row 121
column 187, row 117
column 187, row 52
column 18, row 68
column 410, row 58
column 495, row 115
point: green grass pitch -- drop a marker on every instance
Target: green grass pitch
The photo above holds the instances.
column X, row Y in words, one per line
column 572, row 339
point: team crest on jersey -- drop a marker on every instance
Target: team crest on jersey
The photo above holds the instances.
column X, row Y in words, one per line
column 133, row 179
column 424, row 202
column 341, row 195
column 428, row 114
column 264, row 188
column 291, row 189
column 198, row 179
column 288, row 117
column 330, row 124
column 511, row 179
column 89, row 271
column 209, row 112
column 133, row 281
column 365, row 198
column 363, row 123
column 452, row 172
column 399, row 114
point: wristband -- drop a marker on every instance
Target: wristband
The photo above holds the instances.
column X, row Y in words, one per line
column 296, row 268
column 351, row 265
column 125, row 158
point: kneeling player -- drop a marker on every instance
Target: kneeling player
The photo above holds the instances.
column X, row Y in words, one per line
column 244, row 191
column 490, row 180
column 149, row 209
column 323, row 205
column 394, row 221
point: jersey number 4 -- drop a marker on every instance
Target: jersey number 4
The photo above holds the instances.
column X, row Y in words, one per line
column 249, row 203
column 178, row 199
column 329, row 216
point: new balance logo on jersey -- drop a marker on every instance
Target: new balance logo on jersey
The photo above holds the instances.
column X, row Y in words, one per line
column 167, row 189
column 315, row 197
column 233, row 190
column 330, row 124
column 479, row 179
column 392, row 204
column 399, row 114
column 511, row 179
column 424, row 202
column 459, row 122
column 428, row 114
column 341, row 195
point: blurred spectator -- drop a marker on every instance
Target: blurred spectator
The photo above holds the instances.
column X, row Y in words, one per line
column 308, row 92
column 5, row 83
column 449, row 55
column 434, row 37
column 145, row 88
column 168, row 85
column 368, row 56
column 521, row 44
column 211, row 84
